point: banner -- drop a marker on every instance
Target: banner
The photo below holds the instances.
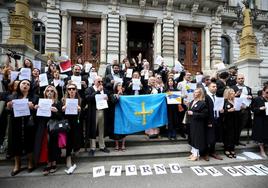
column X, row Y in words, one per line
column 139, row 113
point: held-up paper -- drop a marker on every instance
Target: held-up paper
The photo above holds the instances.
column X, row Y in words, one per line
column 77, row 81
column 129, row 73
column 44, row 108
column 218, row 104
column 71, row 107
column 238, row 103
column 266, row 106
column 37, row 64
column 101, row 102
column 14, row 75
column 25, row 73
column 21, row 107
column 118, row 80
column 88, row 67
column 246, row 101
column 136, row 84
column 173, row 97
column 43, row 81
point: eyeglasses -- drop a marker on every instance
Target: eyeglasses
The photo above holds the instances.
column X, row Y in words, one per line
column 71, row 88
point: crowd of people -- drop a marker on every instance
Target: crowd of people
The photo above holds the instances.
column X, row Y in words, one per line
column 32, row 135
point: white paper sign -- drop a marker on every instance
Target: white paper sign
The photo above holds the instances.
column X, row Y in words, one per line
column 256, row 171
column 14, row 75
column 44, row 108
column 146, row 170
column 25, row 73
column 1, row 77
column 88, row 67
column 46, row 69
column 198, row 78
column 129, row 73
column 43, row 81
column 213, row 171
column 98, row 171
column 146, row 75
column 173, row 97
column 159, row 169
column 238, row 103
column 101, row 102
column 262, row 168
column 115, row 170
column 118, row 80
column 175, row 168
column 266, row 106
column 246, row 101
column 244, row 170
column 232, row 171
column 218, row 104
column 37, row 64
column 131, row 170
column 21, row 107
column 90, row 82
column 77, row 81
column 93, row 75
column 71, row 106
column 199, row 171
column 178, row 67
column 158, row 60
column 136, row 84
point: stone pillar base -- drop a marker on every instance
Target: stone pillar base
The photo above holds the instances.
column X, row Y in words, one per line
column 251, row 69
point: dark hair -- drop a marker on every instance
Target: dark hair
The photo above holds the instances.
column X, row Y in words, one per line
column 18, row 88
column 24, row 65
column 265, row 87
column 205, row 78
column 115, row 87
column 224, row 75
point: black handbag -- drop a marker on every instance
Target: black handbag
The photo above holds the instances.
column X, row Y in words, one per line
column 58, row 125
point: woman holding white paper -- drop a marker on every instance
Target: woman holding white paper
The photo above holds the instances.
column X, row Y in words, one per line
column 22, row 125
column 46, row 143
column 197, row 118
column 74, row 136
column 230, row 123
column 57, row 83
column 260, row 125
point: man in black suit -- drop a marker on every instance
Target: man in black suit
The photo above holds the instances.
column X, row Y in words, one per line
column 212, row 128
column 113, row 77
column 204, row 84
column 241, row 90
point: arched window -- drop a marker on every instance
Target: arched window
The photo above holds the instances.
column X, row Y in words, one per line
column 225, row 52
column 39, row 36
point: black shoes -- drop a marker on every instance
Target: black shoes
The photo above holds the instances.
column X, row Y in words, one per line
column 105, row 150
column 91, row 152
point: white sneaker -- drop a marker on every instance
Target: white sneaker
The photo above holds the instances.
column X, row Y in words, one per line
column 71, row 169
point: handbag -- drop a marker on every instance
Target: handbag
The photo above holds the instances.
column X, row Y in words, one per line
column 58, row 125
column 62, row 140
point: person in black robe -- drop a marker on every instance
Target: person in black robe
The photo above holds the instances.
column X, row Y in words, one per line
column 260, row 122
column 44, row 139
column 197, row 119
column 92, row 124
column 230, row 123
column 22, row 128
column 172, row 110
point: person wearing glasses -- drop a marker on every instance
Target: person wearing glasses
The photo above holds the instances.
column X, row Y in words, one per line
column 260, row 126
column 96, row 119
column 241, row 90
column 74, row 136
column 45, row 140
column 22, row 128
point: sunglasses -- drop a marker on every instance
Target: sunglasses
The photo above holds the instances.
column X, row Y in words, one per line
column 50, row 91
column 71, row 88
column 100, row 81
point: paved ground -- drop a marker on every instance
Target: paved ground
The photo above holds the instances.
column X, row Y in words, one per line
column 83, row 176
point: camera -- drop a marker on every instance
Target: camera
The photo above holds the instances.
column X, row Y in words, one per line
column 13, row 54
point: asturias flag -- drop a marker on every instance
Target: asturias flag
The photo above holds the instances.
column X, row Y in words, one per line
column 140, row 112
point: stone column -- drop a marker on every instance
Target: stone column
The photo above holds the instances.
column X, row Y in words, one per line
column 64, row 33
column 103, row 45
column 207, row 47
column 176, row 46
column 215, row 41
column 123, row 38
column 168, row 41
column 158, row 37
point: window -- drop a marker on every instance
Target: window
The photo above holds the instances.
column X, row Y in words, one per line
column 39, row 35
column 225, row 53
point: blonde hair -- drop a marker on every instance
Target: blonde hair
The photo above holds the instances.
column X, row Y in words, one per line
column 202, row 94
column 227, row 93
column 55, row 92
column 67, row 94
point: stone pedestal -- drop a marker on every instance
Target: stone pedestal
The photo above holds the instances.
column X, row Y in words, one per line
column 250, row 67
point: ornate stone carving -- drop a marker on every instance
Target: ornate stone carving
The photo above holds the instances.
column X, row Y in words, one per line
column 194, row 9
column 155, row 3
column 238, row 36
column 265, row 39
column 169, row 5
column 182, row 6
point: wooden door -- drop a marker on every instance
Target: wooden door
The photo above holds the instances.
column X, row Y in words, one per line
column 190, row 48
column 85, row 41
